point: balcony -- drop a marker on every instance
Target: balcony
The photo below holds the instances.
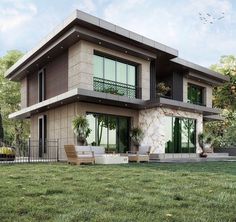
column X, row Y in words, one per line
column 116, row 88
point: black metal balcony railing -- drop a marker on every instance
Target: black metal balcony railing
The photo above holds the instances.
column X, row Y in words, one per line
column 115, row 88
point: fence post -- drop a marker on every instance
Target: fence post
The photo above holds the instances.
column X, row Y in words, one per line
column 29, row 144
column 57, row 150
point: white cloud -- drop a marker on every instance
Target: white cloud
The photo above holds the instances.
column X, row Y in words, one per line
column 15, row 13
column 178, row 25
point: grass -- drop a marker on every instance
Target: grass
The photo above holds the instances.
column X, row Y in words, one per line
column 135, row 192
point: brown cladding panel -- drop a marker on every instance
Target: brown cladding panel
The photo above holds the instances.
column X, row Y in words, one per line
column 56, row 79
column 32, row 91
column 57, row 76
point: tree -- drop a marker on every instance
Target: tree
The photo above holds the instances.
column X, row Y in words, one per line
column 15, row 130
column 224, row 97
column 1, row 128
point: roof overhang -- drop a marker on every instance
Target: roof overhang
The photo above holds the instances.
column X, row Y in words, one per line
column 91, row 28
column 213, row 118
column 84, row 95
column 174, row 104
column 200, row 73
column 78, row 95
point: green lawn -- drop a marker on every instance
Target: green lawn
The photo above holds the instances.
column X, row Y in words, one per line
column 134, row 192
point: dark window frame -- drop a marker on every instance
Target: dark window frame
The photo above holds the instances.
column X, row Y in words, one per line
column 121, row 60
column 41, row 85
column 129, row 119
column 191, row 87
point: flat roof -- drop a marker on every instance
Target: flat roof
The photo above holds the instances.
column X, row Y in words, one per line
column 200, row 69
column 77, row 16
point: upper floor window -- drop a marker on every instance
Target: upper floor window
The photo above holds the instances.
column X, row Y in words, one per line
column 195, row 94
column 115, row 77
column 41, row 85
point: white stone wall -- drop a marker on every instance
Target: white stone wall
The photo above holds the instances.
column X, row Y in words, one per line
column 80, row 73
column 207, row 94
column 151, row 121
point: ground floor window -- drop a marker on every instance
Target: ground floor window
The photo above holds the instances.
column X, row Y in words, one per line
column 180, row 135
column 109, row 131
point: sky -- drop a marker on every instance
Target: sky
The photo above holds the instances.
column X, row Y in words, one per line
column 176, row 23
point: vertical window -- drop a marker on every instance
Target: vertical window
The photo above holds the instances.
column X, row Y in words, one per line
column 121, row 72
column 98, row 66
column 110, row 69
column 131, row 75
column 41, row 85
column 42, row 135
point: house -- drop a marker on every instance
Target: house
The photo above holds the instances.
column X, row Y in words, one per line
column 89, row 66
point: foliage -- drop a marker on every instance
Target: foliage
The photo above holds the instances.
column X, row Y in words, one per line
column 224, row 97
column 15, row 130
column 81, row 128
column 105, row 122
column 162, row 89
column 204, row 138
column 112, row 90
column 1, row 128
column 136, row 135
column 132, row 192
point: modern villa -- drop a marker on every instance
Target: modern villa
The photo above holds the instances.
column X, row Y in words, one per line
column 119, row 80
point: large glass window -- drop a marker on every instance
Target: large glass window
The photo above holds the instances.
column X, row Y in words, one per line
column 114, row 77
column 109, row 131
column 180, row 135
column 195, row 94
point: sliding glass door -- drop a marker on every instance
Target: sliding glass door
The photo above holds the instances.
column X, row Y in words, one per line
column 109, row 131
column 180, row 135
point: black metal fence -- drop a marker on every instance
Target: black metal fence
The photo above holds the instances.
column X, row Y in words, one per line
column 30, row 151
column 116, row 88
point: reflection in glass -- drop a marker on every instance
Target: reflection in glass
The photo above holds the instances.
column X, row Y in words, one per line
column 98, row 66
column 112, row 126
column 121, row 72
column 109, row 131
column 110, row 69
column 180, row 135
column 131, row 75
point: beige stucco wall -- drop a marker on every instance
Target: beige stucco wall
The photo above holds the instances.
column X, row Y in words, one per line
column 59, row 121
column 80, row 73
column 207, row 94
column 151, row 121
column 23, row 92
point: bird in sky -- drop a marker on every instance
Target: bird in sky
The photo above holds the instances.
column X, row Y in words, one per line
column 208, row 18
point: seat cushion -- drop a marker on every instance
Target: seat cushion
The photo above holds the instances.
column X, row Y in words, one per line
column 98, row 150
column 82, row 148
column 84, row 155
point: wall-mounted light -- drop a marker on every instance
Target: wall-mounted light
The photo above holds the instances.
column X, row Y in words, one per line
column 99, row 43
column 62, row 47
column 77, row 36
column 126, row 52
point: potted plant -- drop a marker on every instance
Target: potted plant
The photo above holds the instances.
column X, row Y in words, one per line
column 136, row 135
column 162, row 89
column 81, row 129
column 205, row 141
